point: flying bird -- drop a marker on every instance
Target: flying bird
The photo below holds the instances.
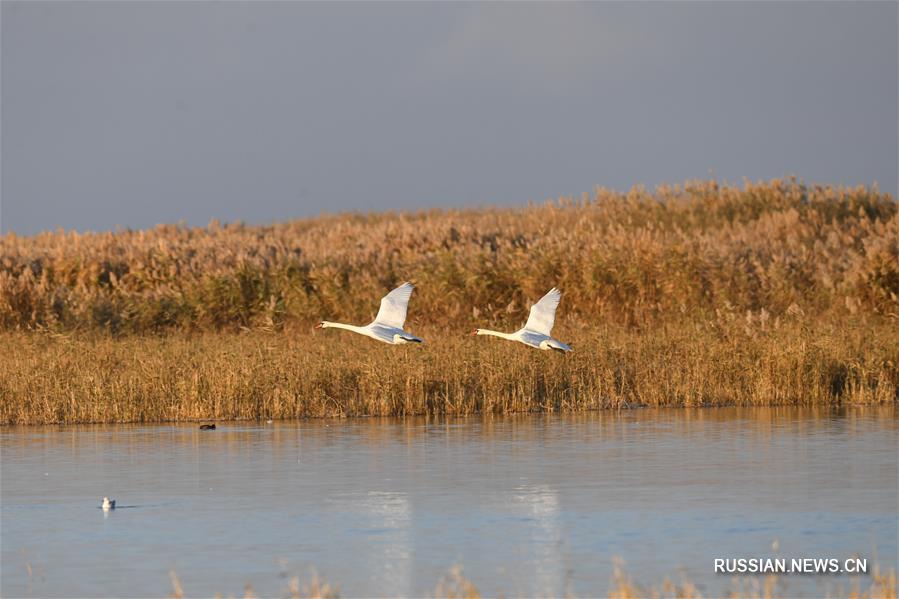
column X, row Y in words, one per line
column 536, row 331
column 388, row 324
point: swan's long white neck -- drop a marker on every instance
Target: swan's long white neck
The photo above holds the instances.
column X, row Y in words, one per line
column 339, row 325
column 496, row 334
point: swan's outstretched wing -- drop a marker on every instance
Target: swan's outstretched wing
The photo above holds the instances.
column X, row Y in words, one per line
column 393, row 306
column 543, row 313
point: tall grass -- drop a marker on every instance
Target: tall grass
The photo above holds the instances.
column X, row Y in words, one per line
column 455, row 585
column 704, row 294
column 258, row 375
column 635, row 257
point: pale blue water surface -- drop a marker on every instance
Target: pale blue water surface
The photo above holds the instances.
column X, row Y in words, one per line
column 527, row 505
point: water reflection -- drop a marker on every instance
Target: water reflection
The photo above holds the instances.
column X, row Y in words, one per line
column 528, row 504
column 541, row 504
column 285, row 436
column 381, row 522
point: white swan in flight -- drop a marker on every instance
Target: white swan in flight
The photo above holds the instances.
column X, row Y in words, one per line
column 388, row 324
column 536, row 331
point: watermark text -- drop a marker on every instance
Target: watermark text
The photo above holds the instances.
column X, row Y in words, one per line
column 795, row 565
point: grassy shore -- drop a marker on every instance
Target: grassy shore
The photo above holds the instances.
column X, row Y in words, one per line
column 881, row 585
column 771, row 293
column 59, row 379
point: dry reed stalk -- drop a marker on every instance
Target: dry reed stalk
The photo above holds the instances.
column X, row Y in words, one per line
column 298, row 374
column 705, row 294
column 769, row 249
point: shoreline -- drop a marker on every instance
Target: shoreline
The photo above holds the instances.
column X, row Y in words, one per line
column 226, row 424
column 257, row 376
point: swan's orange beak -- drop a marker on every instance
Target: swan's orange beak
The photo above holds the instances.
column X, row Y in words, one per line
column 474, row 332
column 320, row 325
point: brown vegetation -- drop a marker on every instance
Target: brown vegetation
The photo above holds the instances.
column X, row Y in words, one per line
column 696, row 295
column 455, row 586
column 59, row 379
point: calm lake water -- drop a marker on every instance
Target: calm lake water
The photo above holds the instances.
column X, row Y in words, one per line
column 528, row 505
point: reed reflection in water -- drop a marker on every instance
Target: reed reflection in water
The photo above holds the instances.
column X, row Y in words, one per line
column 528, row 504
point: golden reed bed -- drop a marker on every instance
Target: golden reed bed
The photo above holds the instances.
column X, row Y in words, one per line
column 702, row 294
column 880, row 585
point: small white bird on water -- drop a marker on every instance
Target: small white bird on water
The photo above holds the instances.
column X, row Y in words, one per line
column 388, row 324
column 108, row 504
column 536, row 331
